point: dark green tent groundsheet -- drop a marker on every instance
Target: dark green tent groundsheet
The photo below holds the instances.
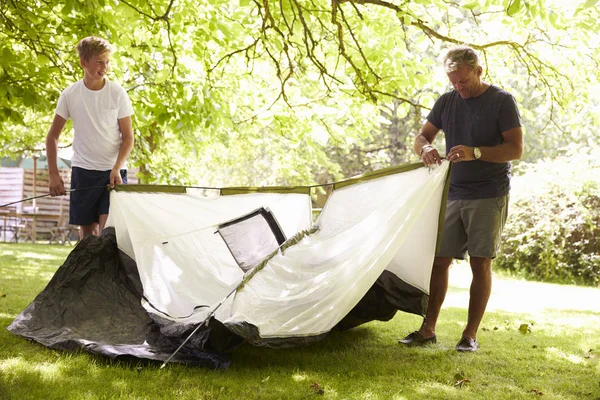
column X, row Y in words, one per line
column 93, row 302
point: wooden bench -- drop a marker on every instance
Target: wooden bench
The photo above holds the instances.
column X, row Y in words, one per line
column 63, row 231
column 38, row 225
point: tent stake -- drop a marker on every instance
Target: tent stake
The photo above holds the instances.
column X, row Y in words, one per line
column 186, row 340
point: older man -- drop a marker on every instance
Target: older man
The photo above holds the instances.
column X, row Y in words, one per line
column 482, row 129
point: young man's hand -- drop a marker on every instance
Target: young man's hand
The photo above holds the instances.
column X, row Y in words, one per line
column 56, row 185
column 115, row 178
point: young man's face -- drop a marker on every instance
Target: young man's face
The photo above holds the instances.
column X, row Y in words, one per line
column 466, row 81
column 97, row 66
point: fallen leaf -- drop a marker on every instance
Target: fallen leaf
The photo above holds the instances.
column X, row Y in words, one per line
column 536, row 391
column 460, row 379
column 525, row 328
column 317, row 388
column 461, row 382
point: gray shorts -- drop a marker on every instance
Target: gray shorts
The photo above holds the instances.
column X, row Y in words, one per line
column 473, row 226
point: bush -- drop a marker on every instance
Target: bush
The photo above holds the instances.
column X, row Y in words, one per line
column 553, row 230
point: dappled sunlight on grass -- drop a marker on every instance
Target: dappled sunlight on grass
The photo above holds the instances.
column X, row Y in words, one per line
column 11, row 363
column 30, row 266
column 517, row 295
column 120, row 384
column 299, row 377
column 18, row 365
column 37, row 256
column 5, row 252
column 561, row 323
column 426, row 389
column 30, row 272
column 554, row 354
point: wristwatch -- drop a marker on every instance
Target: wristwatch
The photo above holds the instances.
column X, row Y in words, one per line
column 477, row 153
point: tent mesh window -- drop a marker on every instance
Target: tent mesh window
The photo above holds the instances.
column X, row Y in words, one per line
column 252, row 237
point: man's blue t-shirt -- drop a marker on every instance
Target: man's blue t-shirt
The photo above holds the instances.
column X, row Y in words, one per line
column 476, row 122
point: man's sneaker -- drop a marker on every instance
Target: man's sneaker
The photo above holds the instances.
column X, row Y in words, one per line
column 416, row 339
column 467, row 344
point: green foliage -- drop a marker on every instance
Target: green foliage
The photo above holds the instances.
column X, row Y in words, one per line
column 219, row 85
column 553, row 232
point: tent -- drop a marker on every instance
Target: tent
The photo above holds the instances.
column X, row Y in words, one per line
column 247, row 265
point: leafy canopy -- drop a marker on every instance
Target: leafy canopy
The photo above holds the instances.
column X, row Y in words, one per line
column 259, row 92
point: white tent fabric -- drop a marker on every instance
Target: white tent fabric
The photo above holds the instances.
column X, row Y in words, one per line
column 365, row 228
column 184, row 265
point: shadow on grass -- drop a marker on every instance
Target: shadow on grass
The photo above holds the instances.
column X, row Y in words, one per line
column 363, row 362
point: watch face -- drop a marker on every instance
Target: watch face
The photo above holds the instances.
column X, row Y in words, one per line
column 477, row 152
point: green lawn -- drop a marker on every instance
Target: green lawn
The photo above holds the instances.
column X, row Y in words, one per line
column 557, row 358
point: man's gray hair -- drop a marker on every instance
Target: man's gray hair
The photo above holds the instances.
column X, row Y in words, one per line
column 459, row 56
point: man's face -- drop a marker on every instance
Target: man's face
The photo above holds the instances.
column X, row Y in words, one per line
column 97, row 66
column 466, row 81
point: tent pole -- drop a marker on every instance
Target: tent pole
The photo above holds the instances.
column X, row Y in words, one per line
column 247, row 276
column 204, row 323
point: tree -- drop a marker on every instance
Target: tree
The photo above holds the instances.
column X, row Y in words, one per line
column 218, row 84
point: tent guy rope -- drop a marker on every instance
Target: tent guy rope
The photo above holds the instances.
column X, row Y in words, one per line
column 48, row 194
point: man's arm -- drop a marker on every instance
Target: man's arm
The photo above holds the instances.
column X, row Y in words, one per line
column 423, row 144
column 510, row 149
column 56, row 185
column 126, row 147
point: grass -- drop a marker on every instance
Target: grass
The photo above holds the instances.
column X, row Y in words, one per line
column 558, row 356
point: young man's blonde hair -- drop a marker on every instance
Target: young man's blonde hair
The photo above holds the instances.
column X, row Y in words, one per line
column 93, row 46
column 459, row 56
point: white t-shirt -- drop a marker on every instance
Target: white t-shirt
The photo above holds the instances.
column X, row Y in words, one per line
column 95, row 115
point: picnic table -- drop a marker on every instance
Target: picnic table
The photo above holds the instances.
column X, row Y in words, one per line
column 27, row 226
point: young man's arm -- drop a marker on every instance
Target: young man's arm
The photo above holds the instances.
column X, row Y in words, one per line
column 126, row 147
column 56, row 185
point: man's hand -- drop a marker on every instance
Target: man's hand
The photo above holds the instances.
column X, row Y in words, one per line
column 115, row 178
column 56, row 185
column 460, row 153
column 430, row 155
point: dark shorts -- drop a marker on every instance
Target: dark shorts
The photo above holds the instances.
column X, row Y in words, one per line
column 88, row 204
column 474, row 227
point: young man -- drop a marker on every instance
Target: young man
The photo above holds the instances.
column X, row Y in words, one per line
column 101, row 113
column 482, row 128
